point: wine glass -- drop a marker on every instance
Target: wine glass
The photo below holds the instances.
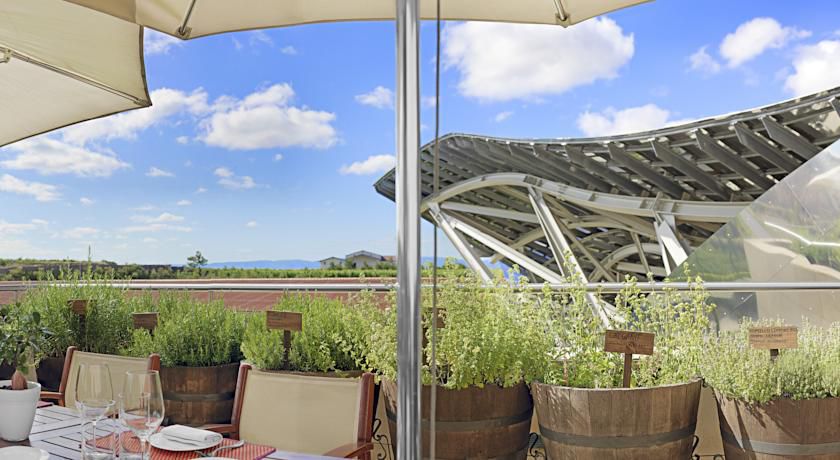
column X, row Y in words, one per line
column 141, row 406
column 94, row 400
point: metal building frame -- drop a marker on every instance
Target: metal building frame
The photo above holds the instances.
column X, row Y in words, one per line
column 613, row 206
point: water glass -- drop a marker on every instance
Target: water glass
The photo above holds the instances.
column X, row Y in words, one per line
column 95, row 400
column 141, row 408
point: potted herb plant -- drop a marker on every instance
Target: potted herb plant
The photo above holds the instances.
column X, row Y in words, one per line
column 582, row 409
column 198, row 343
column 489, row 345
column 21, row 337
column 788, row 407
column 104, row 326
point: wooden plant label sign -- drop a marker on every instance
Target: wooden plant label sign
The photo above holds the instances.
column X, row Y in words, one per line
column 285, row 320
column 78, row 306
column 629, row 342
column 774, row 338
column 146, row 321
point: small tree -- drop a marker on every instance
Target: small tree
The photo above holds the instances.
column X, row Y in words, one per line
column 21, row 339
column 196, row 261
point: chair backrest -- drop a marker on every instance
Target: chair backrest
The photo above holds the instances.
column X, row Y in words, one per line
column 302, row 413
column 117, row 365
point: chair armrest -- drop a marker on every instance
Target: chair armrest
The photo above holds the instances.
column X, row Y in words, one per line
column 52, row 396
column 225, row 428
column 351, row 450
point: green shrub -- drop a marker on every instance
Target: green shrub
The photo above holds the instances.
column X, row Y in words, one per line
column 107, row 324
column 330, row 340
column 189, row 332
column 494, row 335
column 679, row 320
column 740, row 372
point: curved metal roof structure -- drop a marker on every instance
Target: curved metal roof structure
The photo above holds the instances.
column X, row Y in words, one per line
column 610, row 206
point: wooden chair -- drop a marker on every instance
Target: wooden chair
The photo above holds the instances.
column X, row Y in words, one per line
column 118, row 365
column 301, row 413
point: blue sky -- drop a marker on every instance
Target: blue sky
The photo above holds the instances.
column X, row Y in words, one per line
column 266, row 145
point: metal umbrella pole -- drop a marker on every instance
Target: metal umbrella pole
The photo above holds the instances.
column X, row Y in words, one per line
column 408, row 230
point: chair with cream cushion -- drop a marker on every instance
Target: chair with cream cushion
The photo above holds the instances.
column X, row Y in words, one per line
column 303, row 413
column 117, row 365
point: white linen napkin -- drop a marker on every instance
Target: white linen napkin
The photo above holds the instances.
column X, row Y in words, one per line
column 190, row 434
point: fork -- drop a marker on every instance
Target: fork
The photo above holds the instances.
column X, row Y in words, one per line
column 235, row 445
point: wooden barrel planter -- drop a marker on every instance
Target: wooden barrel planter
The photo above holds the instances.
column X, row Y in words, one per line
column 49, row 372
column 489, row 423
column 807, row 429
column 199, row 395
column 617, row 423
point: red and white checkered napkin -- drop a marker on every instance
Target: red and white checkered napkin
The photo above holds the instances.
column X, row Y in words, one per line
column 247, row 452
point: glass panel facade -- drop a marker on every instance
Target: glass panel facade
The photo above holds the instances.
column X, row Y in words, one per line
column 789, row 234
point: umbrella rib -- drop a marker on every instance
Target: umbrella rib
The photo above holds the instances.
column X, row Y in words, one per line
column 25, row 58
column 184, row 31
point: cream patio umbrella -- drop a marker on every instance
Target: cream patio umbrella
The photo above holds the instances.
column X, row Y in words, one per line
column 195, row 18
column 61, row 64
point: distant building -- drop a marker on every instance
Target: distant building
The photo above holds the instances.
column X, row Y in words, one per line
column 358, row 259
column 332, row 262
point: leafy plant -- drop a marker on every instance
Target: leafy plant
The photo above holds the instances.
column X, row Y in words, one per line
column 189, row 332
column 492, row 335
column 107, row 324
column 22, row 337
column 740, row 372
column 330, row 340
column 679, row 320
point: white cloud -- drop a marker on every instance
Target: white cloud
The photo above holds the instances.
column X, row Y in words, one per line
column 78, row 233
column 380, row 97
column 278, row 156
column 500, row 62
column 155, row 42
column 701, row 61
column 428, row 101
column 502, row 116
column 145, row 207
column 265, row 119
column 8, row 228
column 629, row 120
column 184, row 203
column 150, row 240
column 815, row 68
column 252, row 224
column 231, row 181
column 50, row 156
column 85, row 201
column 154, row 171
column 183, row 140
column 372, row 165
column 162, row 218
column 201, row 190
column 153, row 228
column 167, row 103
column 754, row 37
column 259, row 37
column 38, row 190
column 289, row 50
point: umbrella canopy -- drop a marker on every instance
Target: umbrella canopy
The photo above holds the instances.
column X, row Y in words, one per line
column 194, row 18
column 61, row 64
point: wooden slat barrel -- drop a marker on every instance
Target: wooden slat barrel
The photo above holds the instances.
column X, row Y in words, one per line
column 656, row 423
column 488, row 423
column 49, row 372
column 807, row 429
column 199, row 395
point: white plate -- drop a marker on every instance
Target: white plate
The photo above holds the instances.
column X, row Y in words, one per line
column 162, row 442
column 23, row 453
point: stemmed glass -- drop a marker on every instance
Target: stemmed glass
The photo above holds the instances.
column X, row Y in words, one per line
column 141, row 406
column 94, row 400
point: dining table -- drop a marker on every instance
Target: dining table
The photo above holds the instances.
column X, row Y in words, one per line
column 56, row 430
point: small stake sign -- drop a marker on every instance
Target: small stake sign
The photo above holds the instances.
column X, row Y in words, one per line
column 774, row 338
column 145, row 320
column 629, row 343
column 78, row 306
column 286, row 321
